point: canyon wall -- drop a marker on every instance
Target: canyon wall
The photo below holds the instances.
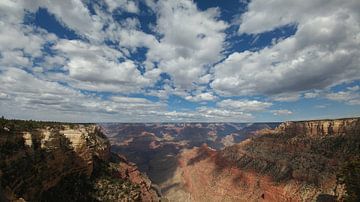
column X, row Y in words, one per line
column 38, row 164
column 320, row 128
column 297, row 161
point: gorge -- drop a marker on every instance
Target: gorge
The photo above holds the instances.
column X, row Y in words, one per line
column 290, row 161
column 56, row 162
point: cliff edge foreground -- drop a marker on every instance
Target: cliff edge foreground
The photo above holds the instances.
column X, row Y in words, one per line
column 42, row 161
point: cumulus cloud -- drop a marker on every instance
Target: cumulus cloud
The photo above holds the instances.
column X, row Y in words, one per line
column 50, row 100
column 19, row 43
column 280, row 112
column 264, row 16
column 322, row 53
column 72, row 14
column 46, row 76
column 125, row 5
column 244, row 105
column 191, row 40
column 350, row 96
column 86, row 62
column 216, row 114
column 310, row 95
column 286, row 97
column 201, row 97
column 320, row 106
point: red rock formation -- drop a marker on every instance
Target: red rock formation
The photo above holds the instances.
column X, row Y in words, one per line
column 130, row 172
column 34, row 161
column 298, row 161
column 321, row 128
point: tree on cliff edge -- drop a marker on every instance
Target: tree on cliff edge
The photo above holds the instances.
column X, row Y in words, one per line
column 350, row 177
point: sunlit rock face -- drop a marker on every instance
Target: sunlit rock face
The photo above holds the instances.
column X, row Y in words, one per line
column 298, row 161
column 35, row 163
column 321, row 128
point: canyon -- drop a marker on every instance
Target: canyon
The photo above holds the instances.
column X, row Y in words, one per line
column 298, row 161
column 291, row 161
column 59, row 162
column 155, row 147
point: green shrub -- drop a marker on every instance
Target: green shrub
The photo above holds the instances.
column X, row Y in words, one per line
column 349, row 175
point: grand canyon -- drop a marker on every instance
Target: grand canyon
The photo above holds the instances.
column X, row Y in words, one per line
column 290, row 161
column 180, row 100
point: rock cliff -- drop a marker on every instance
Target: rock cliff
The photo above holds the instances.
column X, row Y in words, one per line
column 42, row 162
column 321, row 128
column 298, row 161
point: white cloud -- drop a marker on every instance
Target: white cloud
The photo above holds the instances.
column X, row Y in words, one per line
column 88, row 70
column 41, row 99
column 201, row 97
column 280, row 112
column 131, row 37
column 320, row 106
column 286, row 97
column 14, row 58
column 183, row 50
column 310, row 95
column 266, row 15
column 323, row 52
column 90, row 65
column 353, row 88
column 74, row 15
column 220, row 115
column 123, row 99
column 225, row 111
column 350, row 96
column 19, row 43
column 187, row 42
column 191, row 40
column 86, row 62
column 77, row 48
column 126, row 5
column 244, row 105
column 4, row 96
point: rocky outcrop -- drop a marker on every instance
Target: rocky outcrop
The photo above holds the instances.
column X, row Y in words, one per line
column 42, row 161
column 298, row 161
column 321, row 128
column 128, row 170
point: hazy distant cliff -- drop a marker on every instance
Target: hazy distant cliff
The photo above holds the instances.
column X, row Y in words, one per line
column 42, row 162
column 298, row 161
column 321, row 128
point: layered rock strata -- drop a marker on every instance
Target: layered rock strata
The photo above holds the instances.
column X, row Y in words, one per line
column 298, row 161
column 38, row 163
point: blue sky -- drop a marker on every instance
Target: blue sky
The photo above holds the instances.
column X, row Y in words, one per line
column 153, row 61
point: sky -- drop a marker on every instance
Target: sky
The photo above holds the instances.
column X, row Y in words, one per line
column 179, row 61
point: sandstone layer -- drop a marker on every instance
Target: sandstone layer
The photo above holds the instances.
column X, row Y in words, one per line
column 298, row 161
column 38, row 163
